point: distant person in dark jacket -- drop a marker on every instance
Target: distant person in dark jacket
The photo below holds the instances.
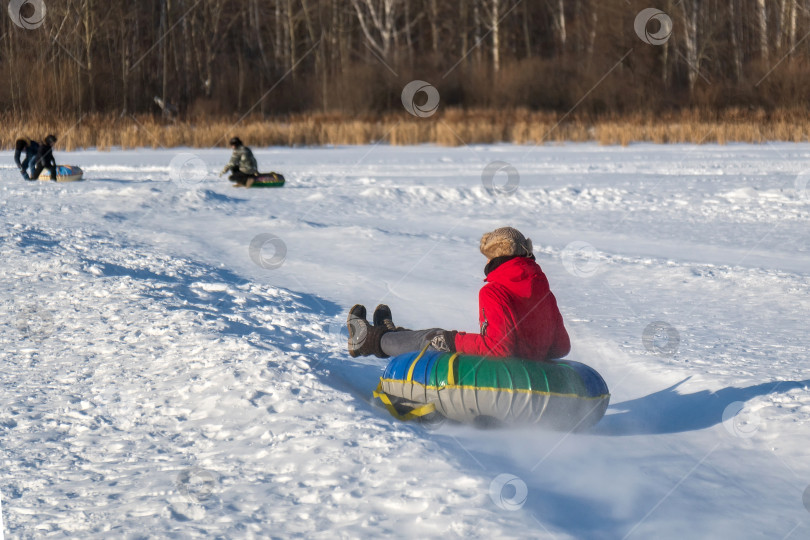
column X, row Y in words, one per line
column 45, row 159
column 242, row 166
column 518, row 313
column 30, row 147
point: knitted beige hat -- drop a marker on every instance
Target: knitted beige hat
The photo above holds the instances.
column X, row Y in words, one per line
column 505, row 242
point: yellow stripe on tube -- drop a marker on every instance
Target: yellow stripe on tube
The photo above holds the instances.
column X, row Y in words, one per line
column 451, row 378
column 413, row 364
column 410, row 415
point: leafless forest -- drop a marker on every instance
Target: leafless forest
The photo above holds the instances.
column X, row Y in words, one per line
column 269, row 60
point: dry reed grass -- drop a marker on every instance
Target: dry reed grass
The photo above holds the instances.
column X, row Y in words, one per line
column 448, row 128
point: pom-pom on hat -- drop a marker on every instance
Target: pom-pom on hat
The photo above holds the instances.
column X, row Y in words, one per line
column 505, row 242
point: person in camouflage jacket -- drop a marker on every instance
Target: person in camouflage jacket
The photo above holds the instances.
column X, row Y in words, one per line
column 242, row 166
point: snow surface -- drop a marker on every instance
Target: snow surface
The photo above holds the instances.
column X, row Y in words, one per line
column 161, row 378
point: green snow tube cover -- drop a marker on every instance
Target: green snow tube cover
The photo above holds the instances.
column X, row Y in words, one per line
column 561, row 394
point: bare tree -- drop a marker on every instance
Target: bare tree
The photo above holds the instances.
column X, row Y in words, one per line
column 165, row 9
column 214, row 29
column 379, row 22
column 433, row 10
column 594, row 25
column 221, row 54
column 88, row 20
column 736, row 50
column 689, row 9
column 787, row 24
column 494, row 11
column 762, row 15
column 560, row 23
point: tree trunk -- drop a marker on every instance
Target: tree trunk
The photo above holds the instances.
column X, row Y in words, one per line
column 408, row 36
column 240, row 77
column 278, row 51
column 592, row 34
column 735, row 46
column 291, row 31
column 792, row 24
column 319, row 52
column 381, row 24
column 495, row 26
column 477, row 31
column 88, row 48
column 762, row 14
column 184, row 60
column 561, row 33
column 434, row 26
column 690, row 9
column 256, row 19
column 126, row 54
column 527, row 37
column 164, row 25
column 464, row 17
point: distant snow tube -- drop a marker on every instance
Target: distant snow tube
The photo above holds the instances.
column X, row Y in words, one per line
column 561, row 394
column 269, row 180
column 64, row 173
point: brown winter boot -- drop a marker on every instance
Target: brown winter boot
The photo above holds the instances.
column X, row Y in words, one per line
column 364, row 339
column 382, row 317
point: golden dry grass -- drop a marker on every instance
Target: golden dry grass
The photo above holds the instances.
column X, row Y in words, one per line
column 447, row 128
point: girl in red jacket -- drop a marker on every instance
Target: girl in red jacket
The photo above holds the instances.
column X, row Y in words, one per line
column 517, row 312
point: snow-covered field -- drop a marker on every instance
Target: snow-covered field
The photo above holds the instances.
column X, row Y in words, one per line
column 174, row 365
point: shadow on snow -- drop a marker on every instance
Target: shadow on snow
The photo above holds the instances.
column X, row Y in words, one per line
column 324, row 350
column 669, row 411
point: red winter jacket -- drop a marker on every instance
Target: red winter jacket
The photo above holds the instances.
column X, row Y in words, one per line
column 518, row 315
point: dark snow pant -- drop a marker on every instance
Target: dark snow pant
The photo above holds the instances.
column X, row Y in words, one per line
column 396, row 343
column 41, row 167
column 27, row 166
column 239, row 177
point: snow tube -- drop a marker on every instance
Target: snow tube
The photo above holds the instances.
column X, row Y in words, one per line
column 561, row 394
column 267, row 180
column 64, row 173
